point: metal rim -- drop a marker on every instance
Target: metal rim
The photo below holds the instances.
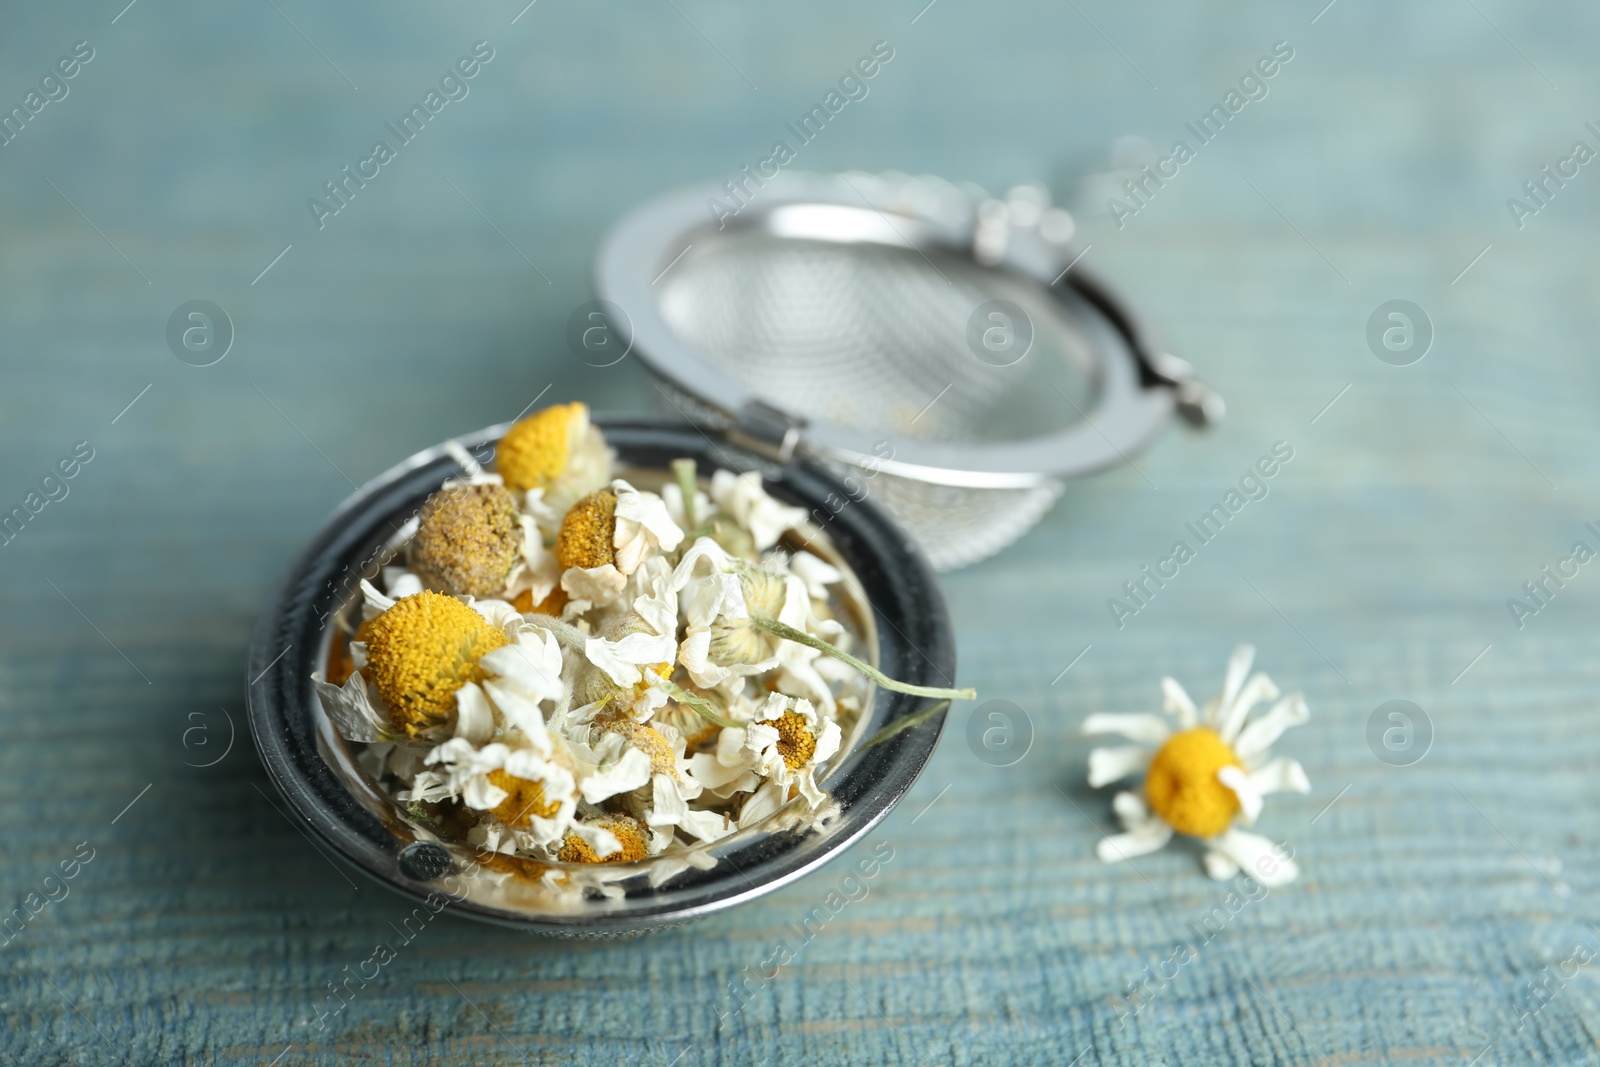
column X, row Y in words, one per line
column 1135, row 401
column 916, row 645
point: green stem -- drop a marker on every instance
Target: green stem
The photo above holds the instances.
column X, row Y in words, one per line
column 903, row 724
column 800, row 637
column 698, row 704
column 684, row 469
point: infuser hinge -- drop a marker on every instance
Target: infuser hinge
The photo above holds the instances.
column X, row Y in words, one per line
column 766, row 430
column 1197, row 403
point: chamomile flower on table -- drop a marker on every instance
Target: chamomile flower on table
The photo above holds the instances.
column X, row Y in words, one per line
column 1205, row 771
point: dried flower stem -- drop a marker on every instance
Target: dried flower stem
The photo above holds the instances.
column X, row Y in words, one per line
column 800, row 637
column 684, row 471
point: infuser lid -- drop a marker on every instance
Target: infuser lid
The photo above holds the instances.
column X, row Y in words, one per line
column 927, row 329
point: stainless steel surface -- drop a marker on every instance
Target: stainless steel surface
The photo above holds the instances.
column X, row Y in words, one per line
column 835, row 315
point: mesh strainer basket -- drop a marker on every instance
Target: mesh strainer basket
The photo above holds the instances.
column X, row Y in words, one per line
column 940, row 348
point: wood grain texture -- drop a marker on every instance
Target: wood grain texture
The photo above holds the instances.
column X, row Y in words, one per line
column 206, row 928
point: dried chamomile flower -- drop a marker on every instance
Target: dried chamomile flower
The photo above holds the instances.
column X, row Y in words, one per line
column 1202, row 778
column 742, row 497
column 598, row 691
column 737, row 615
column 421, row 651
column 533, row 797
column 556, row 451
column 588, row 532
column 787, row 741
column 468, row 539
column 524, row 802
column 663, row 756
column 607, row 536
column 610, row 838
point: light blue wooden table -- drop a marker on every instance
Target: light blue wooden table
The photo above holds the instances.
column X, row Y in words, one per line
column 1442, row 902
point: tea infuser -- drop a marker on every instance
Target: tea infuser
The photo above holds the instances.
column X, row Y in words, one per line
column 939, row 347
column 892, row 605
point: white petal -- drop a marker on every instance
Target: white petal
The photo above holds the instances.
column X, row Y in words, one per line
column 1232, row 717
column 459, row 749
column 1175, row 700
column 659, row 612
column 695, row 654
column 1256, row 738
column 373, row 602
column 498, row 613
column 1238, row 667
column 350, row 709
column 1257, row 857
column 1280, row 775
column 671, row 810
column 642, row 524
column 706, row 549
column 531, row 664
column 815, row 573
column 1146, row 729
column 468, row 463
column 1106, row 765
column 474, row 716
column 1133, row 843
column 598, row 585
column 799, row 675
column 761, row 744
column 827, row 742
column 731, row 748
column 806, row 782
column 628, row 773
column 603, row 841
column 796, row 610
column 481, row 794
column 1131, row 809
column 742, row 497
column 773, row 707
column 400, row 582
column 712, row 773
column 621, row 659
column 763, row 803
column 695, row 648
column 1219, row 866
column 519, row 711
column 1249, row 800
column 668, row 866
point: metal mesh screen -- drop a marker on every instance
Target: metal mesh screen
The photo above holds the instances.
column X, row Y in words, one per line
column 876, row 338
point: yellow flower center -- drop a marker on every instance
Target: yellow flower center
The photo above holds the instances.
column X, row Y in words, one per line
column 589, row 532
column 796, row 742
column 421, row 651
column 524, row 799
column 629, row 832
column 550, row 605
column 534, row 452
column 644, row 738
column 467, row 540
column 1181, row 785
